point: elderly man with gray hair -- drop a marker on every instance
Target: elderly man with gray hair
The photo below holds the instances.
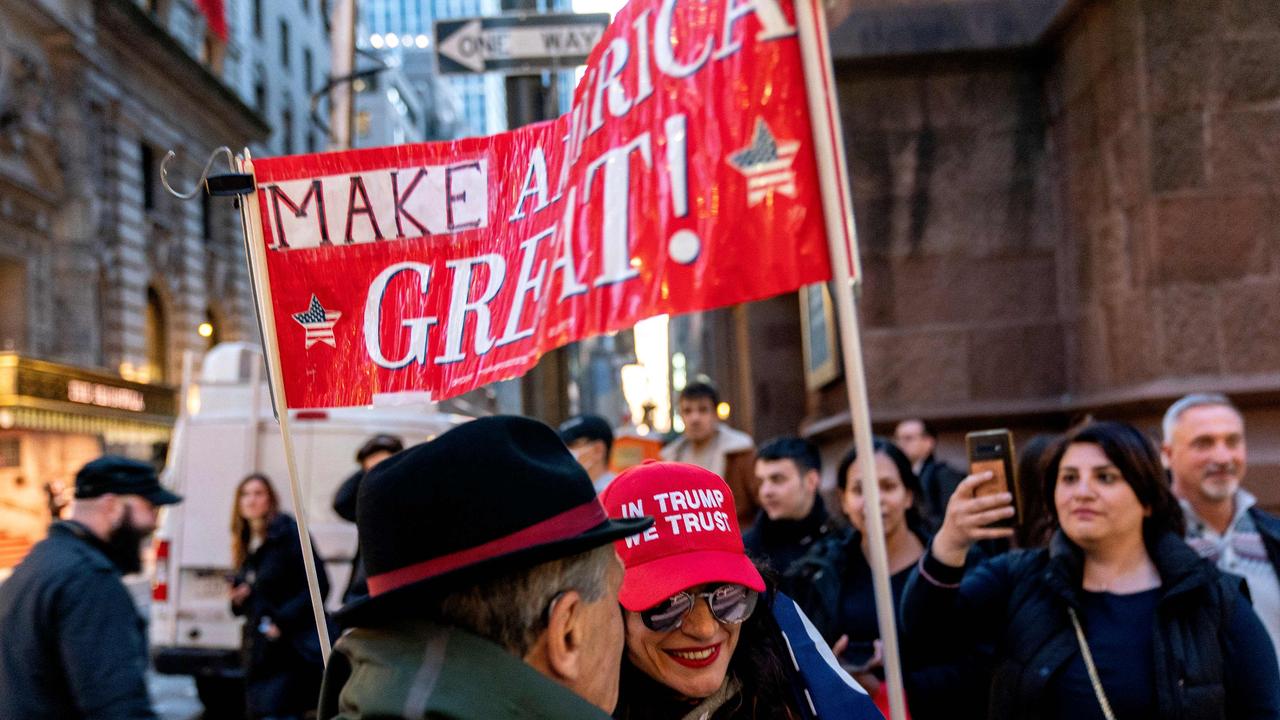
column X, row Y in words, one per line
column 1204, row 450
column 493, row 584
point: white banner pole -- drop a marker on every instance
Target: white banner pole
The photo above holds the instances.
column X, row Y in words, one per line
column 842, row 243
column 255, row 247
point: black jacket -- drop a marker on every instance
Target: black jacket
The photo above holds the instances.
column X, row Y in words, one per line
column 829, row 576
column 939, row 481
column 1213, row 658
column 73, row 643
column 1269, row 528
column 780, row 543
column 283, row 675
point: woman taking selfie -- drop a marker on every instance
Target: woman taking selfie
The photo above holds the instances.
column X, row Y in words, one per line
column 701, row 637
column 1117, row 618
column 280, row 650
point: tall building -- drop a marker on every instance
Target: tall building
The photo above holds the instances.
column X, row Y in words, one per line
column 389, row 108
column 107, row 278
column 407, row 29
column 277, row 60
column 404, row 29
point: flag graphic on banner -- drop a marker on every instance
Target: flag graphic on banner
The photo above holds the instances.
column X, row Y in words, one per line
column 766, row 164
column 318, row 323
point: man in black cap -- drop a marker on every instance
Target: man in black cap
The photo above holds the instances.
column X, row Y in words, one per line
column 375, row 450
column 493, row 584
column 590, row 439
column 74, row 644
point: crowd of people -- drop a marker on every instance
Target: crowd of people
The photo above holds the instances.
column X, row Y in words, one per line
column 504, row 571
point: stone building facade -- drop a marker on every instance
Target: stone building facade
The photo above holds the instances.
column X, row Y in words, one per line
column 1063, row 208
column 105, row 276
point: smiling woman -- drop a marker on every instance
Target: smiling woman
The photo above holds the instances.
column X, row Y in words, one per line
column 700, row 640
column 1118, row 617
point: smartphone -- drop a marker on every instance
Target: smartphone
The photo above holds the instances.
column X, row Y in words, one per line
column 992, row 450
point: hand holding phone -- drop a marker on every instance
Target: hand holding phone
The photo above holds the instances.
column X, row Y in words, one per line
column 985, row 504
column 992, row 451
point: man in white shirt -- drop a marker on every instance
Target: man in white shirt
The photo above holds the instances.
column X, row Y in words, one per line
column 1204, row 450
column 710, row 444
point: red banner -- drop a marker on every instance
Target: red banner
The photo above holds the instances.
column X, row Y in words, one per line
column 683, row 179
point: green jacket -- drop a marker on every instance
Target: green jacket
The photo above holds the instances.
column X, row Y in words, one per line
column 421, row 670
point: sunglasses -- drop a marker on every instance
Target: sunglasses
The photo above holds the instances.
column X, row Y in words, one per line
column 729, row 604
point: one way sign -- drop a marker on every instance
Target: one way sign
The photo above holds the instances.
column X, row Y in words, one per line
column 517, row 43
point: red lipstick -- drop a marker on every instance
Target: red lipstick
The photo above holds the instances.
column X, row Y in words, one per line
column 695, row 657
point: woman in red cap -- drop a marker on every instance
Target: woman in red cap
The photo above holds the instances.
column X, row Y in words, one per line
column 701, row 640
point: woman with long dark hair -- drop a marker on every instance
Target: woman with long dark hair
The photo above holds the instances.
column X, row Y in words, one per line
column 1117, row 618
column 703, row 629
column 832, row 582
column 280, row 649
column 833, row 585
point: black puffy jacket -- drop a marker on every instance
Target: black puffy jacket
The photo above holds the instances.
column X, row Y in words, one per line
column 1213, row 658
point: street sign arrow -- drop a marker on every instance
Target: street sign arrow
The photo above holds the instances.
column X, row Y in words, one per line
column 464, row 47
column 517, row 43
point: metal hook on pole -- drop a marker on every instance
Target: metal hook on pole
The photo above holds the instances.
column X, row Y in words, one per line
column 226, row 184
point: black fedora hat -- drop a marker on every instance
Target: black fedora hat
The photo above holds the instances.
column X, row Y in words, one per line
column 487, row 497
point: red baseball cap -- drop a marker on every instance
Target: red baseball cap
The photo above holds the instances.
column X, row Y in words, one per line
column 694, row 540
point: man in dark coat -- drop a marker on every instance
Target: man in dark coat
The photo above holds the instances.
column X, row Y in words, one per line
column 493, row 584
column 917, row 439
column 74, row 644
column 792, row 516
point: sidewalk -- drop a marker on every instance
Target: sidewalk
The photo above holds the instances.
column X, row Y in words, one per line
column 174, row 697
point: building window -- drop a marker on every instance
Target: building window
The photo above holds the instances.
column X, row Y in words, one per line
column 148, row 161
column 13, row 314
column 284, row 43
column 157, row 339
column 308, row 70
column 257, row 17
column 260, row 95
column 286, row 129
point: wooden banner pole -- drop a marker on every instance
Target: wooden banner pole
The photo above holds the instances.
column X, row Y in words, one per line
column 255, row 249
column 842, row 244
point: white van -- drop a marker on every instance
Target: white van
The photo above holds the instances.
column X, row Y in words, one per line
column 225, row 431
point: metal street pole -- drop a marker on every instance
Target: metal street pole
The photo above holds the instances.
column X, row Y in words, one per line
column 545, row 389
column 342, row 40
